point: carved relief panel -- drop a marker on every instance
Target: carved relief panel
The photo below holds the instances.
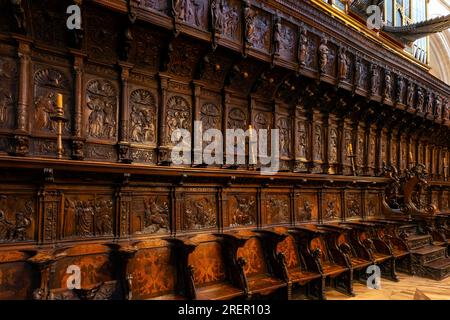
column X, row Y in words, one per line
column 302, row 141
column 88, row 215
column 277, row 208
column 193, row 12
column 331, row 206
column 228, row 19
column 47, row 23
column 48, row 82
column 306, row 207
column 258, row 28
column 311, row 57
column 403, row 153
column 373, row 208
column 178, row 116
column 353, row 205
column 394, row 152
column 242, row 209
column 18, row 217
column 372, row 150
column 199, row 211
column 157, row 5
column 151, row 214
column 147, row 49
column 8, row 92
column 285, row 40
column 100, row 116
column 143, row 117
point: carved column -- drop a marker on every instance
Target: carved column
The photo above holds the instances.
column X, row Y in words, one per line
column 123, row 209
column 124, row 145
column 197, row 137
column 317, row 143
column 347, row 139
column 333, row 145
column 301, row 134
column 163, row 153
column 77, row 139
column 49, row 212
column 21, row 137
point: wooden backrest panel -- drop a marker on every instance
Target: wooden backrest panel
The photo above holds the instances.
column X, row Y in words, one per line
column 253, row 253
column 209, row 265
column 18, row 279
column 319, row 242
column 289, row 249
column 154, row 272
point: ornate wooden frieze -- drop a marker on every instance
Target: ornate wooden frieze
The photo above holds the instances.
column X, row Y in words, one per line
column 100, row 152
column 373, row 208
column 49, row 208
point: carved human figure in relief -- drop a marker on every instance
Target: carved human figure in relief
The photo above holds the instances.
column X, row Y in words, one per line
column 303, row 47
column 375, row 79
column 438, row 108
column 231, row 23
column 333, row 146
column 324, row 51
column 45, row 106
column 353, row 208
column 103, row 220
column 277, row 38
column 306, row 211
column 156, row 215
column 410, row 95
column 360, row 74
column 420, row 100
column 429, row 105
column 387, row 85
column 302, row 140
column 6, row 100
column 400, row 89
column 249, row 15
column 84, row 213
column 218, row 15
column 318, row 143
column 445, row 112
column 14, row 230
column 343, row 63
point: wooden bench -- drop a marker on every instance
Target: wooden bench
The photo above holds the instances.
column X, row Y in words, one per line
column 364, row 234
column 253, row 264
column 209, row 263
column 290, row 265
column 332, row 263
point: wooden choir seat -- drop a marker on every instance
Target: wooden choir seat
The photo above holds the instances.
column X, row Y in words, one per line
column 290, row 264
column 96, row 267
column 153, row 270
column 212, row 273
column 331, row 262
column 364, row 234
column 359, row 258
column 253, row 264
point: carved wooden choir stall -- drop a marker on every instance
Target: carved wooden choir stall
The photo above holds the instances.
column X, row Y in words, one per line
column 88, row 182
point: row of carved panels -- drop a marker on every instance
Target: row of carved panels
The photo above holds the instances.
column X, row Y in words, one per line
column 274, row 35
column 99, row 121
column 72, row 215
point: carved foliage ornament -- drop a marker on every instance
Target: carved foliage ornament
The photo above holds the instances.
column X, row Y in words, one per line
column 101, row 100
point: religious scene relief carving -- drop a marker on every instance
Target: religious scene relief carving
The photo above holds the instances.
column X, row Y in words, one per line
column 143, row 117
column 101, row 101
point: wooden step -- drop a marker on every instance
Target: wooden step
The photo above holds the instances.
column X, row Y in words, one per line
column 427, row 254
column 438, row 269
column 416, row 241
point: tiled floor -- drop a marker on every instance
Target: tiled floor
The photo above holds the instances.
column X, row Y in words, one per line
column 403, row 290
